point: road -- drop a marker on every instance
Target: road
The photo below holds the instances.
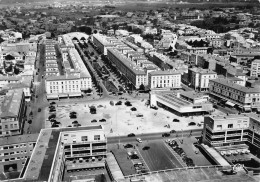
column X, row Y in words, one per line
column 152, row 136
column 39, row 100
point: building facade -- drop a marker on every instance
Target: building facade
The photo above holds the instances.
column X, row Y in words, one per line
column 246, row 98
column 232, row 130
column 12, row 112
column 199, row 78
column 255, row 68
column 164, row 79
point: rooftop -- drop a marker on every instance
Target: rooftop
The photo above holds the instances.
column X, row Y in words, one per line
column 18, row 139
column 202, row 71
column 10, row 105
column 230, row 84
column 160, row 72
column 40, row 163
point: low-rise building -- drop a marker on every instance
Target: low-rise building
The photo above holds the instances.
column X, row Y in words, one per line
column 180, row 102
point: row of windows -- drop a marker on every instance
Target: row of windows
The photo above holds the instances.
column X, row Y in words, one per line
column 15, row 152
column 68, row 82
column 11, row 126
column 15, row 158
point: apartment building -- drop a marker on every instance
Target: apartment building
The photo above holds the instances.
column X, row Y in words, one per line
column 135, row 74
column 164, row 79
column 68, row 149
column 245, row 98
column 101, row 43
column 255, row 68
column 199, row 78
column 15, row 150
column 232, row 130
column 12, row 112
column 68, row 80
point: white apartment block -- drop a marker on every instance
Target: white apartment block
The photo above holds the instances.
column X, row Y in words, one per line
column 255, row 68
column 199, row 78
column 164, row 79
column 74, row 80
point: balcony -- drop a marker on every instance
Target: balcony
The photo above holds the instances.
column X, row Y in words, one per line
column 98, row 147
column 99, row 153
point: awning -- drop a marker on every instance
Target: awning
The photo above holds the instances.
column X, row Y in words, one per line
column 247, row 109
column 78, row 94
column 63, row 95
column 230, row 103
column 52, row 96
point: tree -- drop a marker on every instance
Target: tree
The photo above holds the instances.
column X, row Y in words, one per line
column 87, row 30
column 93, row 109
column 16, row 70
column 95, row 31
column 9, row 57
column 142, row 87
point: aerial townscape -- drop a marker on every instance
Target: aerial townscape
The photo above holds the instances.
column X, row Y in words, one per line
column 129, row 91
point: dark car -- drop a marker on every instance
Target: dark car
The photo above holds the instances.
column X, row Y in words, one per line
column 119, row 103
column 192, row 123
column 131, row 135
column 139, row 115
column 53, row 102
column 102, row 120
column 94, row 121
column 133, row 109
column 175, row 120
column 39, row 110
column 172, row 131
column 128, row 145
column 166, row 134
column 146, row 148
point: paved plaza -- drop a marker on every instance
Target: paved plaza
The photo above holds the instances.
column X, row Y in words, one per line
column 120, row 120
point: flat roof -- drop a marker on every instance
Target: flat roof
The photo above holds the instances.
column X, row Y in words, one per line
column 160, row 72
column 126, row 62
column 202, row 71
column 11, row 104
column 41, row 160
column 18, row 139
column 230, row 84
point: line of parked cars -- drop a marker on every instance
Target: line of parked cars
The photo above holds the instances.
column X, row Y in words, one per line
column 174, row 145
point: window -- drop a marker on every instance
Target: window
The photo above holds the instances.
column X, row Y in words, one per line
column 84, row 138
column 219, row 127
column 230, row 125
column 96, row 137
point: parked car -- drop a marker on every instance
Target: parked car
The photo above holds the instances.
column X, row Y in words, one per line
column 39, row 110
column 172, row 131
column 175, row 120
column 166, row 134
column 94, row 121
column 133, row 109
column 139, row 140
column 102, row 120
column 192, row 123
column 128, row 145
column 139, row 115
column 146, row 148
column 131, row 135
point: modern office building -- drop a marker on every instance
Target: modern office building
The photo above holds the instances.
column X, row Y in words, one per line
column 232, row 130
column 12, row 104
column 63, row 150
column 199, row 78
column 181, row 102
column 15, row 151
column 164, row 79
column 255, row 68
column 245, row 98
